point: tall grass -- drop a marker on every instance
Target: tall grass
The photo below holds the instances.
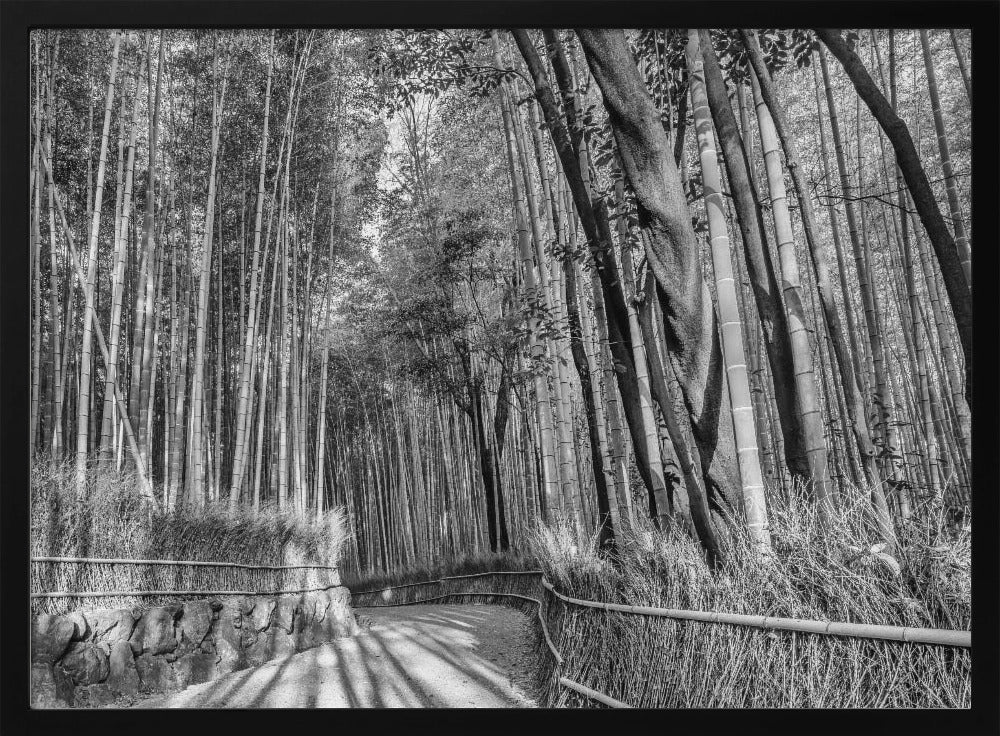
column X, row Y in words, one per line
column 831, row 570
column 111, row 520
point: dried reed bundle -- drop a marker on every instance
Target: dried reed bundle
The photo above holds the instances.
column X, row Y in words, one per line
column 113, row 521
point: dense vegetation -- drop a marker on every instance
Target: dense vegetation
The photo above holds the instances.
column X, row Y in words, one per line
column 677, row 303
column 113, row 522
column 326, row 251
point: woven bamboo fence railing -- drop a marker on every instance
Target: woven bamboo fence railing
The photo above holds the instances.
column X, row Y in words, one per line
column 913, row 635
column 58, row 584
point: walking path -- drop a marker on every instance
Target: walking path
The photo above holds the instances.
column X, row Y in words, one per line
column 423, row 656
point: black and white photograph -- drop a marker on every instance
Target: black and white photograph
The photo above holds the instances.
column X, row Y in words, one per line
column 500, row 367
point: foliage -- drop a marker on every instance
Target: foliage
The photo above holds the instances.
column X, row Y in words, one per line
column 431, row 62
column 817, row 572
column 402, row 254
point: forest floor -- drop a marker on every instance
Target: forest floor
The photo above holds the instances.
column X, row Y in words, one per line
column 431, row 656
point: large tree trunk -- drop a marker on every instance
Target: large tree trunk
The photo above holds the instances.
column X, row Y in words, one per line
column 593, row 218
column 697, row 498
column 672, row 253
column 660, row 506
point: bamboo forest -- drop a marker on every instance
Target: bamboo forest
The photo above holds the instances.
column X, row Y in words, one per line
column 678, row 319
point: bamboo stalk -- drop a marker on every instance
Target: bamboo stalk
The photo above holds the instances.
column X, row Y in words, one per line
column 731, row 323
column 90, row 290
column 957, row 222
column 911, row 634
column 144, row 484
column 593, row 694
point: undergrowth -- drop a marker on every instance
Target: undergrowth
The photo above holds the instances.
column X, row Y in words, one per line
column 111, row 520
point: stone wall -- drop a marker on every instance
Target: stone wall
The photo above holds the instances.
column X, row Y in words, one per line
column 109, row 657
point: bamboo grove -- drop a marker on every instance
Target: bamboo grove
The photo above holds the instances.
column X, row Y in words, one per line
column 458, row 282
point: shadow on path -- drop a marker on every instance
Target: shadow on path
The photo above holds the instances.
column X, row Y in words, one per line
column 424, row 656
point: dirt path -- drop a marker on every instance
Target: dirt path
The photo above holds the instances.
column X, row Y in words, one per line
column 451, row 656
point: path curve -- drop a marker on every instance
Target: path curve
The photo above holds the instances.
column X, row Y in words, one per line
column 422, row 656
